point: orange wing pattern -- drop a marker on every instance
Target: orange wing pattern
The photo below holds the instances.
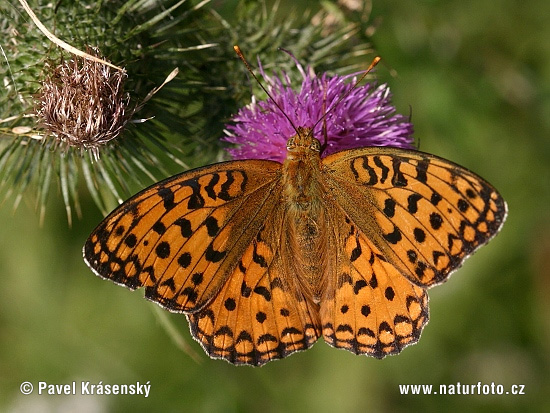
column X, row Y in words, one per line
column 214, row 244
column 181, row 238
column 405, row 220
column 260, row 314
column 371, row 308
column 425, row 214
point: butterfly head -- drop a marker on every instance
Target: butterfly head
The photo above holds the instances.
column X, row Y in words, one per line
column 303, row 141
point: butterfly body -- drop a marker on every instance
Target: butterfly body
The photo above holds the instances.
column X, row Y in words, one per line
column 264, row 258
column 305, row 233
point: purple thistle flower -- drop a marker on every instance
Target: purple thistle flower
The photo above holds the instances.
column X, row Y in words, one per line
column 365, row 117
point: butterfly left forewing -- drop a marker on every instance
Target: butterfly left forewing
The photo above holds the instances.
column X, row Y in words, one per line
column 182, row 237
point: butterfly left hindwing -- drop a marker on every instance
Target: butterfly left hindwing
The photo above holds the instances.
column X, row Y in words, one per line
column 260, row 314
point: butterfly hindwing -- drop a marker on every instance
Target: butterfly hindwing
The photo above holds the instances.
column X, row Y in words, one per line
column 369, row 307
column 259, row 315
column 425, row 214
column 182, row 237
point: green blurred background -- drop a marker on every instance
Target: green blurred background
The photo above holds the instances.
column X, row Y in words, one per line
column 477, row 77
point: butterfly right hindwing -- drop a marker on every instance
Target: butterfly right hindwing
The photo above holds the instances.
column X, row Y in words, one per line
column 369, row 307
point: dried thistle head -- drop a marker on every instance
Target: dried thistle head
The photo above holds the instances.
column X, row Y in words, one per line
column 82, row 104
column 82, row 108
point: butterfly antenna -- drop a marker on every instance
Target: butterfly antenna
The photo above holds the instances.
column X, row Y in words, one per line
column 371, row 66
column 241, row 56
column 324, row 111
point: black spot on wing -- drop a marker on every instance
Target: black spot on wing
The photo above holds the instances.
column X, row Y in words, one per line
column 184, row 260
column 209, row 189
column 167, row 197
column 360, row 284
column 398, row 178
column 169, row 282
column 230, row 304
column 159, row 228
column 412, row 203
column 245, row 290
column 383, row 168
column 419, row 235
column 197, row 278
column 421, row 169
column 195, row 200
column 261, row 317
column 212, row 227
column 356, row 252
column 212, row 255
column 258, row 258
column 436, row 220
column 224, row 193
column 373, row 281
column 185, row 226
column 393, row 237
column 264, row 292
column 130, row 240
column 266, row 337
column 435, row 198
column 372, row 176
column 389, row 207
column 163, row 250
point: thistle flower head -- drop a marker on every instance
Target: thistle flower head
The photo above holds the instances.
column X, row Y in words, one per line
column 365, row 117
column 82, row 104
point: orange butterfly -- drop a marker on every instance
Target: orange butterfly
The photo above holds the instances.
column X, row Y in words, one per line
column 264, row 258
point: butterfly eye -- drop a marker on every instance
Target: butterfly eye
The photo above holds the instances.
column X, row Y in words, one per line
column 315, row 146
column 290, row 144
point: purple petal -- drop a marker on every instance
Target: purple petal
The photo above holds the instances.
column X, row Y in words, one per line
column 364, row 117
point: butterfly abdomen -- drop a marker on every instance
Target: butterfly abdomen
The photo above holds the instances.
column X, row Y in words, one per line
column 307, row 240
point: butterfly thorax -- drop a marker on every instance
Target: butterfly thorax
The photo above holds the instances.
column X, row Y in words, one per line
column 302, row 195
column 301, row 169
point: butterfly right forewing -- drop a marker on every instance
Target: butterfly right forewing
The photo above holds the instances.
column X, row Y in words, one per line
column 424, row 213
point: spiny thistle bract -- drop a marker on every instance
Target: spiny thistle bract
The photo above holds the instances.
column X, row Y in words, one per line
column 96, row 134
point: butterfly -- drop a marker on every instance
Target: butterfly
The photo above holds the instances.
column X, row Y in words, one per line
column 265, row 258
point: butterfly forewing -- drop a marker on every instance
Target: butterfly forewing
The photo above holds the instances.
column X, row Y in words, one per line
column 182, row 237
column 423, row 213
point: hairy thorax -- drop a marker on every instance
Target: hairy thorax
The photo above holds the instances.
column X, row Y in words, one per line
column 306, row 238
